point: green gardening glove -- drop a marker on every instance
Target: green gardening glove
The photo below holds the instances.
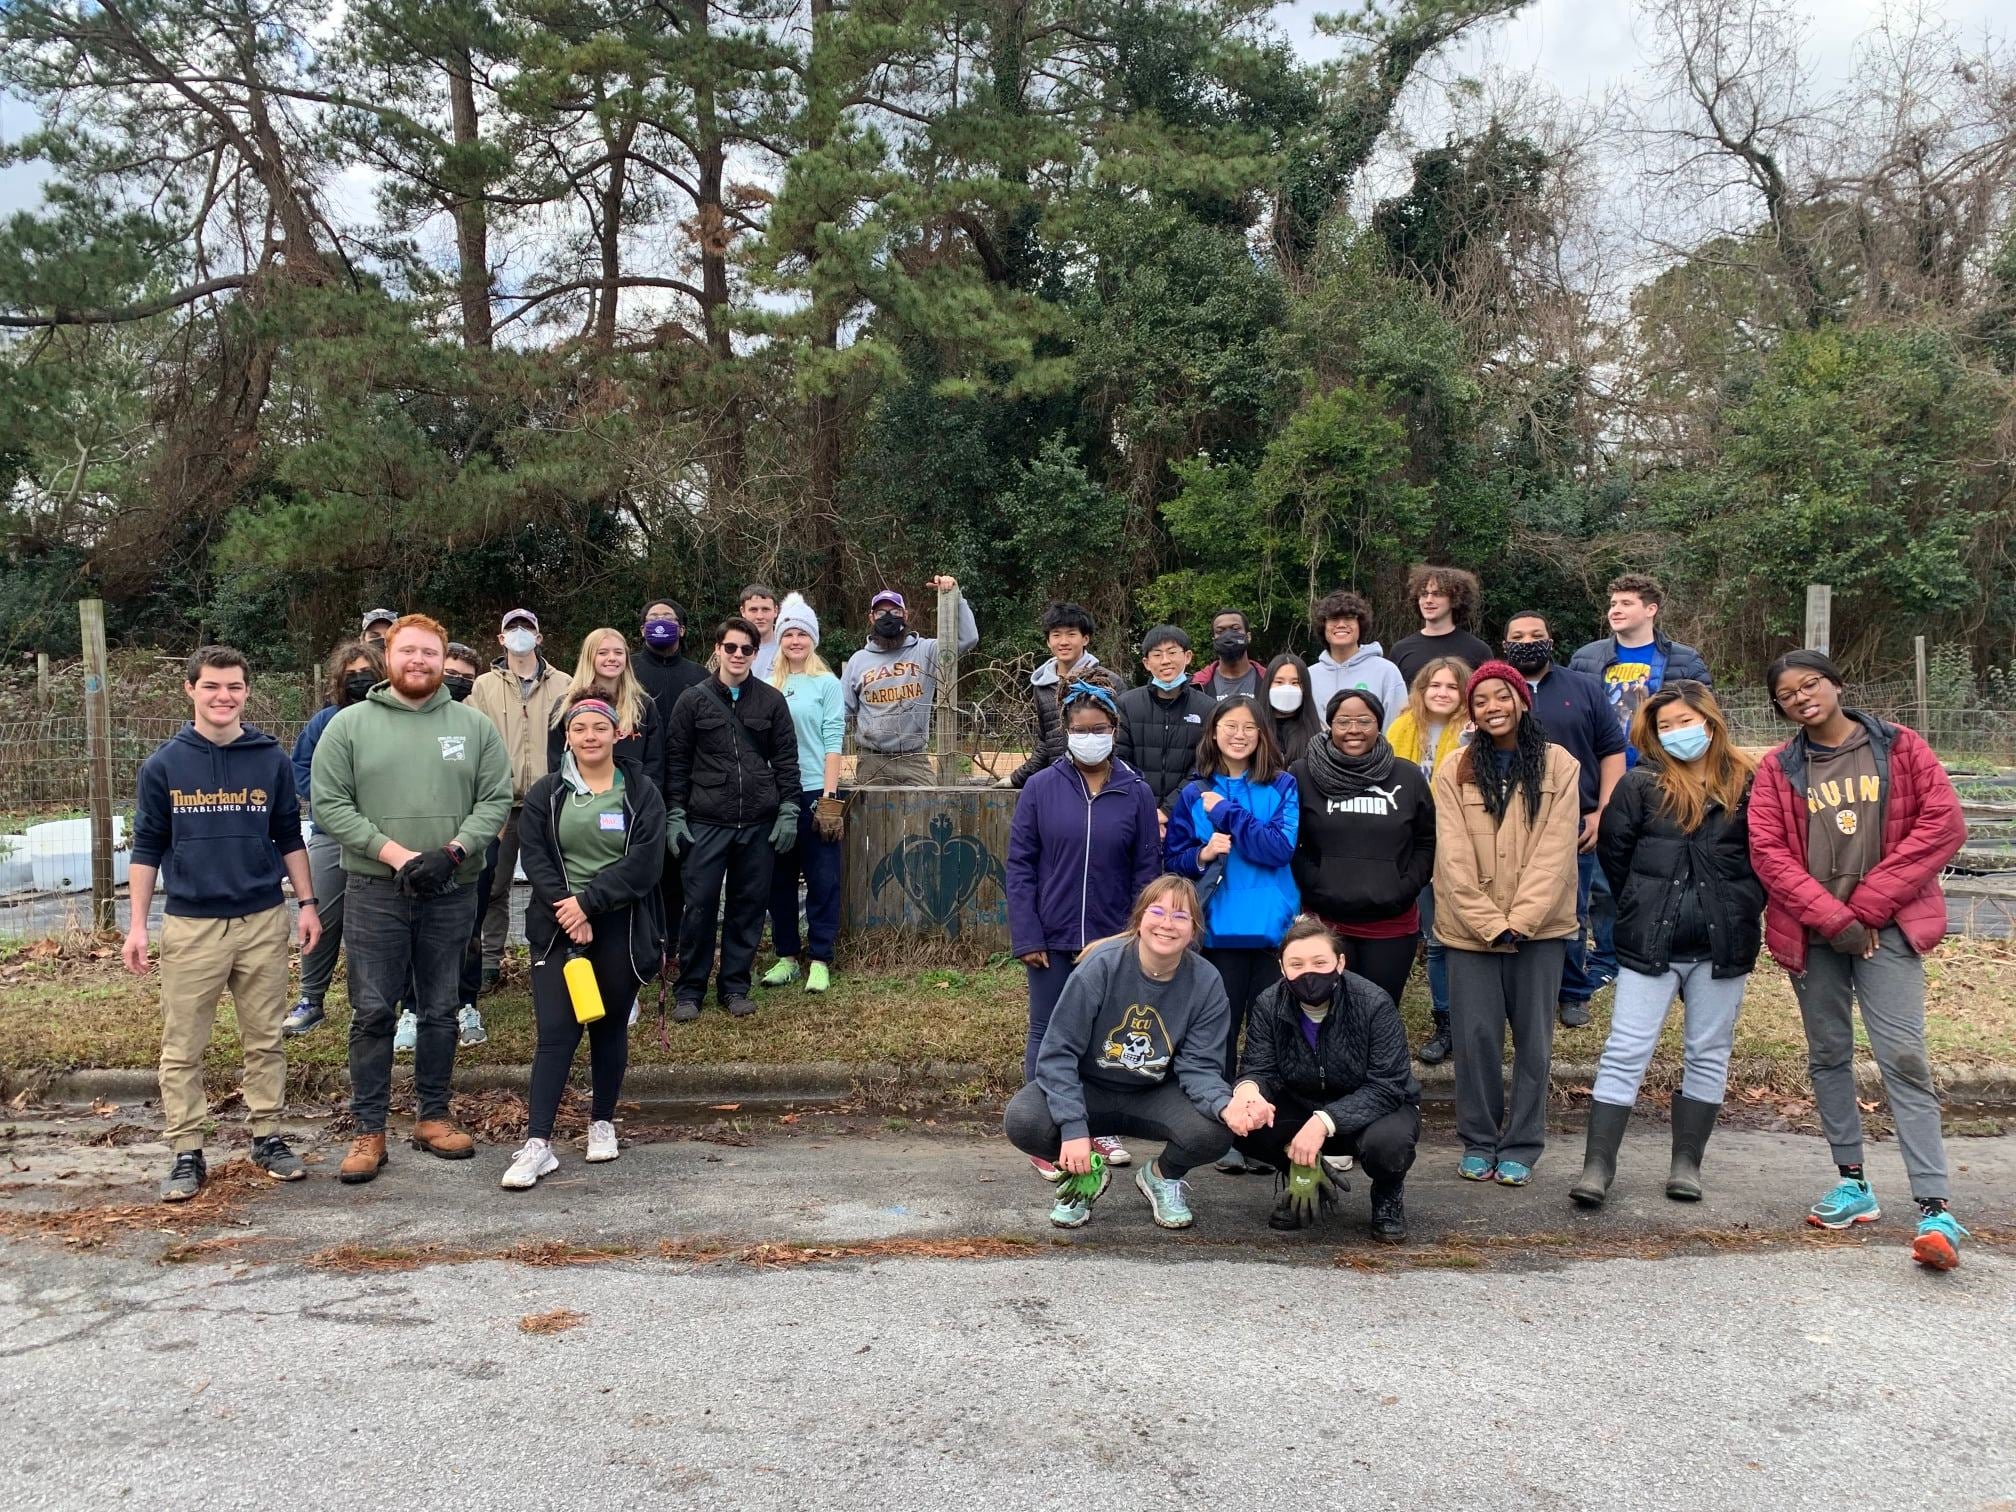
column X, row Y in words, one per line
column 678, row 833
column 784, row 833
column 1084, row 1188
column 1310, row 1193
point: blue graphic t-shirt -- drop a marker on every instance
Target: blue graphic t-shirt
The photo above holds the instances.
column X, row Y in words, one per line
column 1629, row 681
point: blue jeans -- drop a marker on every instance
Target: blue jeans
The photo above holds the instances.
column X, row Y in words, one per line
column 1438, row 963
column 1582, row 970
column 819, row 861
column 1602, row 927
column 392, row 940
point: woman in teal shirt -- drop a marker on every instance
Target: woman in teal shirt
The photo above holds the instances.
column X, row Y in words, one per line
column 813, row 693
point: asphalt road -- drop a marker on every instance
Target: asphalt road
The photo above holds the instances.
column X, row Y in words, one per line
column 1745, row 1365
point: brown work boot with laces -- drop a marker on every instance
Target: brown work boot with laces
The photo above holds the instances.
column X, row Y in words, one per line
column 365, row 1160
column 437, row 1136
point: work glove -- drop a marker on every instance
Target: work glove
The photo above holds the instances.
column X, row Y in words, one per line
column 784, row 833
column 678, row 833
column 1309, row 1194
column 829, row 817
column 428, row 874
column 1853, row 940
column 1085, row 1188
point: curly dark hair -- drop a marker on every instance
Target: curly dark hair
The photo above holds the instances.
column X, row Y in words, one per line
column 369, row 652
column 1342, row 603
column 1461, row 588
column 1496, row 784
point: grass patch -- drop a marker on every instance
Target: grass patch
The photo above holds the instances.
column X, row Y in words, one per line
column 67, row 1004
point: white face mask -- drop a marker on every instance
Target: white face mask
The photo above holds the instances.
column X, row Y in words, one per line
column 1286, row 700
column 1090, row 749
column 519, row 642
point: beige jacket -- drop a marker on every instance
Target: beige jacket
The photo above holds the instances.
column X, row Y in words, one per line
column 523, row 722
column 1518, row 875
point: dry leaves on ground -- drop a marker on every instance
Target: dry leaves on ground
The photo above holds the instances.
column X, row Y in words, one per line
column 559, row 1320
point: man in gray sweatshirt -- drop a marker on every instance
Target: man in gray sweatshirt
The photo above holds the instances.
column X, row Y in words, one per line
column 889, row 688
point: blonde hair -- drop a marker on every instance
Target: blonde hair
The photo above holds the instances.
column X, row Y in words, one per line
column 1687, row 787
column 815, row 665
column 1168, row 885
column 1417, row 691
column 628, row 698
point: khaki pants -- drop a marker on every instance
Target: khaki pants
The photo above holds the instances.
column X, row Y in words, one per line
column 879, row 769
column 200, row 960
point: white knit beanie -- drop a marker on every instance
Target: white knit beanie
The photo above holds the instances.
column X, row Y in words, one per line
column 795, row 614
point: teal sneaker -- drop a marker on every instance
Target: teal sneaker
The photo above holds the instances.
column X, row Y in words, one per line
column 1850, row 1202
column 1937, row 1246
column 1477, row 1168
column 1074, row 1211
column 783, row 974
column 1512, row 1173
column 1168, row 1199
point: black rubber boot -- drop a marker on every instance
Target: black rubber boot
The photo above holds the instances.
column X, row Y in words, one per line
column 1435, row 1049
column 1599, row 1159
column 1693, row 1122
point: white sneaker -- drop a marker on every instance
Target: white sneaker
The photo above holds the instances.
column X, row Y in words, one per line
column 635, row 1005
column 528, row 1165
column 406, row 1034
column 469, row 1026
column 602, row 1141
column 1114, row 1151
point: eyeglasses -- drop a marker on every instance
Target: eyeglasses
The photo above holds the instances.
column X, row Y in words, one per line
column 740, row 648
column 1804, row 690
column 1354, row 722
column 1163, row 915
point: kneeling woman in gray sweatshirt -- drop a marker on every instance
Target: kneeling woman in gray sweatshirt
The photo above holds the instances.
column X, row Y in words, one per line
column 1136, row 1046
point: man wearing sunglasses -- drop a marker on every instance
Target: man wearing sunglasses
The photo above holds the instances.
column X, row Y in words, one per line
column 731, row 764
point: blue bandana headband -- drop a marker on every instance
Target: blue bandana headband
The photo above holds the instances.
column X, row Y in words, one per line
column 1083, row 692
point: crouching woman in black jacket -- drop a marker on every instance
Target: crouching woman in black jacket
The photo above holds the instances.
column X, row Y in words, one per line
column 1674, row 845
column 1326, row 1073
column 593, row 843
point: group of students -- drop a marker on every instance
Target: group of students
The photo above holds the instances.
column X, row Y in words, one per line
column 1222, row 876
column 1210, row 886
column 656, row 805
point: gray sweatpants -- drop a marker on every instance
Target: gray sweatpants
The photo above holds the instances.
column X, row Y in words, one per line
column 1489, row 990
column 325, row 875
column 1708, row 1032
column 496, row 924
column 1890, row 986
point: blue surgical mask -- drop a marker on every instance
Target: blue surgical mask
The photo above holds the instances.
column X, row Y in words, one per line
column 1688, row 743
column 1171, row 684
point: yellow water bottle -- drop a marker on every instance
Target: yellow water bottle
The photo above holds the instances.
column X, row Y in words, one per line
column 581, row 988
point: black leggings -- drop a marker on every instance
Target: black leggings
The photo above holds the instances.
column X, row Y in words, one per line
column 1385, row 963
column 560, row 1031
column 1385, row 1147
column 1247, row 974
column 1160, row 1110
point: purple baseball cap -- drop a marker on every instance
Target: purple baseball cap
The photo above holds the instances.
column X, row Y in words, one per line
column 888, row 596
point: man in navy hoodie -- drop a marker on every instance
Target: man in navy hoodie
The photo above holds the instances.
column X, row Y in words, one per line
column 218, row 820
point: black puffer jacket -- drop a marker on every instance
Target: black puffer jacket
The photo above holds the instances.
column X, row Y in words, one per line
column 730, row 760
column 665, row 678
column 1648, row 860
column 1358, row 1070
column 1049, row 699
column 631, row 882
column 1364, row 859
column 1159, row 734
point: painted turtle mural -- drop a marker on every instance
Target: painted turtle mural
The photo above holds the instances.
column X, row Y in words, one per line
column 939, row 872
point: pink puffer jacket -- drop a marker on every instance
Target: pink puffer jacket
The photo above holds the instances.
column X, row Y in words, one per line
column 1922, row 829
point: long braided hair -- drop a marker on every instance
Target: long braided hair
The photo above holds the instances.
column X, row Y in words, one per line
column 1496, row 784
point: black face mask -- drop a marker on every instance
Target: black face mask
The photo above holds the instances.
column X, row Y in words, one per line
column 890, row 626
column 1313, row 987
column 1529, row 656
column 358, row 684
column 1230, row 646
column 457, row 685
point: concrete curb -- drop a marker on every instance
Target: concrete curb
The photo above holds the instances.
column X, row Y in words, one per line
column 822, row 1081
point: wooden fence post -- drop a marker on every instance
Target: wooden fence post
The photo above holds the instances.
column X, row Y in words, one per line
column 947, row 741
column 42, row 678
column 1819, row 617
column 98, row 761
column 1924, row 702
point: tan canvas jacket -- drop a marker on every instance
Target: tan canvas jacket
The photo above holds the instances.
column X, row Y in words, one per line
column 523, row 722
column 1518, row 875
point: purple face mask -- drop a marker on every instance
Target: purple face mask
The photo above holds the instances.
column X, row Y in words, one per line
column 661, row 635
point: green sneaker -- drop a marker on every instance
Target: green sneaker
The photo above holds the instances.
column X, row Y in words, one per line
column 783, row 974
column 817, row 978
column 1168, row 1200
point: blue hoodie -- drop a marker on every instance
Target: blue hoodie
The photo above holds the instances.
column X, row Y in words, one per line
column 304, row 750
column 1252, row 907
column 1077, row 862
column 216, row 820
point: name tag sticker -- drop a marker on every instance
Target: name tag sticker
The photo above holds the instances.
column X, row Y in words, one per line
column 611, row 821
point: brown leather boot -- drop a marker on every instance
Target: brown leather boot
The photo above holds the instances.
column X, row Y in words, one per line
column 365, row 1160
column 437, row 1136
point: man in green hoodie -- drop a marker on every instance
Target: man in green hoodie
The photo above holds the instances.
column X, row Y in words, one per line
column 414, row 787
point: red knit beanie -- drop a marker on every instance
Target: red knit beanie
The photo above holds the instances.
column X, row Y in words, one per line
column 1502, row 671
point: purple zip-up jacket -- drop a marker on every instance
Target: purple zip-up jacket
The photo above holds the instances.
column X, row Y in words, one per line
column 1075, row 862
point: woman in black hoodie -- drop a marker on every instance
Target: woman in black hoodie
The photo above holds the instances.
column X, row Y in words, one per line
column 592, row 838
column 1366, row 844
column 1325, row 1073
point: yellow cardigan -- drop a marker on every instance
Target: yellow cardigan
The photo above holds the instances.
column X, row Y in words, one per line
column 1405, row 737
